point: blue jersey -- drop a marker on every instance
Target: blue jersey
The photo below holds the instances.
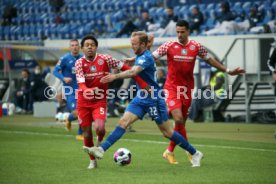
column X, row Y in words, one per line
column 66, row 68
column 144, row 103
column 147, row 62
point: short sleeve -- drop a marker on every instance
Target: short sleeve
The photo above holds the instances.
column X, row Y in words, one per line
column 162, row 50
column 79, row 72
column 112, row 62
column 202, row 52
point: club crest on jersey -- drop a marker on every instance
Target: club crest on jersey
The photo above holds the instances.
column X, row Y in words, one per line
column 71, row 61
column 192, row 47
column 172, row 103
column 100, row 62
column 93, row 69
column 183, row 51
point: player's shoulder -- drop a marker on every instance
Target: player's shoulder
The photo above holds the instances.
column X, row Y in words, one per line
column 145, row 58
column 104, row 56
column 66, row 56
column 195, row 43
column 170, row 42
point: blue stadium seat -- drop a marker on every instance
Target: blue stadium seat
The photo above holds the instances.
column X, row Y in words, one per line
column 273, row 6
column 237, row 8
column 246, row 7
column 202, row 7
column 269, row 15
column 210, row 7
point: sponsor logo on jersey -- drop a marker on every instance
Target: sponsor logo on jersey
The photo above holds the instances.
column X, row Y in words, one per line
column 183, row 58
column 100, row 62
column 141, row 61
column 176, row 46
column 93, row 69
column 183, row 51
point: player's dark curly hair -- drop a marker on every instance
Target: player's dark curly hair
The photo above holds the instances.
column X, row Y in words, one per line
column 89, row 37
column 183, row 23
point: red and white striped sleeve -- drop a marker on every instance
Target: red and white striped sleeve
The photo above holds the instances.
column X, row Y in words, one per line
column 79, row 72
column 202, row 52
column 162, row 50
column 112, row 62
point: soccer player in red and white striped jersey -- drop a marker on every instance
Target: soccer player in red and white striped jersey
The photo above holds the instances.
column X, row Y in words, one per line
column 91, row 102
column 181, row 57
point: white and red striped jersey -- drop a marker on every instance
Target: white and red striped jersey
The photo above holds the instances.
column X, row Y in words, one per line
column 91, row 72
column 181, row 61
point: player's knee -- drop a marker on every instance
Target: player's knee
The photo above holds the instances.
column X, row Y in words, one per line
column 100, row 127
column 179, row 120
column 166, row 134
column 123, row 123
column 100, row 130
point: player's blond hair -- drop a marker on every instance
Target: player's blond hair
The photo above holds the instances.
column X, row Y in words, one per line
column 143, row 37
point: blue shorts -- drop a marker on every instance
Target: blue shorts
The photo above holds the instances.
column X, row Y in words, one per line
column 71, row 102
column 156, row 109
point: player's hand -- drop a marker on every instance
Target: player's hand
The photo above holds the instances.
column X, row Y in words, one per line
column 108, row 78
column 236, row 71
column 129, row 61
column 67, row 80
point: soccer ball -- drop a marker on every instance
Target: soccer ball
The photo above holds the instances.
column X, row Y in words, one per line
column 122, row 157
column 60, row 117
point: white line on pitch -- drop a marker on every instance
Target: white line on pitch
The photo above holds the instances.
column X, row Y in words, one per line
column 141, row 141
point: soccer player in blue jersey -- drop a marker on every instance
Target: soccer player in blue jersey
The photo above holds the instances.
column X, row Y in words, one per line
column 151, row 102
column 65, row 71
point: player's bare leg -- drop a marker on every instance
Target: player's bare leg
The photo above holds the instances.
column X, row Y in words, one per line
column 99, row 126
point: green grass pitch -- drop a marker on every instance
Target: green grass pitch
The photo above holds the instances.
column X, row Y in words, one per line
column 38, row 150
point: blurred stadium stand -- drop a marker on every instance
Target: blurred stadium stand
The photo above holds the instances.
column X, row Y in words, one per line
column 36, row 19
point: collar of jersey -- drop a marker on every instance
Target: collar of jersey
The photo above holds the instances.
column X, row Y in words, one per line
column 182, row 44
column 90, row 60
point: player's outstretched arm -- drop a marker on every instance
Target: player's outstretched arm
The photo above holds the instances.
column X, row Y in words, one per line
column 125, row 74
column 213, row 62
column 129, row 61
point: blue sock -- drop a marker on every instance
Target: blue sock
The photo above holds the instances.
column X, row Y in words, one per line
column 71, row 117
column 181, row 141
column 113, row 137
column 80, row 130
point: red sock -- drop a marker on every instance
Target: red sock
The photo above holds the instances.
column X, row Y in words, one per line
column 89, row 143
column 180, row 128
